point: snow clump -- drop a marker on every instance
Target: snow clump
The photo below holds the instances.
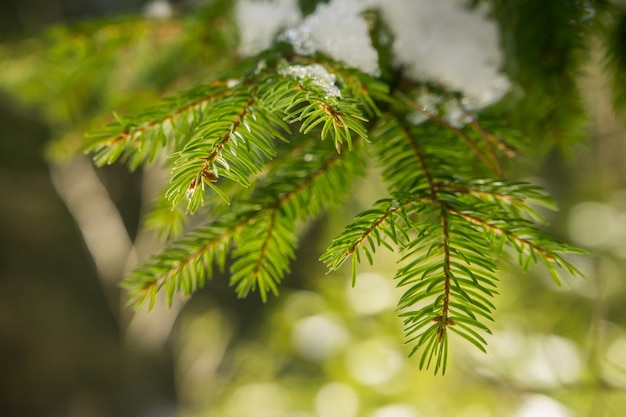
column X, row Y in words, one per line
column 315, row 72
column 449, row 43
column 260, row 21
column 338, row 30
column 442, row 41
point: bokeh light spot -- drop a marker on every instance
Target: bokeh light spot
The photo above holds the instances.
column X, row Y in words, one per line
column 336, row 400
column 372, row 294
column 318, row 337
column 373, row 362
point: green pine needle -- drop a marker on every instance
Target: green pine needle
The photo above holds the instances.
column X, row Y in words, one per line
column 281, row 150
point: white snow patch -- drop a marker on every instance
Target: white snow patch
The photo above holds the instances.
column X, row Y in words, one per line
column 338, row 30
column 440, row 41
column 318, row 75
column 260, row 21
column 446, row 42
column 427, row 103
column 457, row 112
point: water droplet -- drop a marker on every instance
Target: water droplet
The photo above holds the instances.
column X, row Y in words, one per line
column 189, row 192
column 317, row 74
column 232, row 83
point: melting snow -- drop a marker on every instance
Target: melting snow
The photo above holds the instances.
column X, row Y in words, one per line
column 318, row 75
column 457, row 112
column 441, row 41
column 446, row 42
column 260, row 21
column 338, row 30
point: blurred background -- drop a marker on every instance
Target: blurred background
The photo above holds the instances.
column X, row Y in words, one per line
column 70, row 347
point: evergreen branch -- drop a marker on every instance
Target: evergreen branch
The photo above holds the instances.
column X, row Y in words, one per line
column 367, row 231
column 514, row 198
column 137, row 139
column 448, row 271
column 362, row 87
column 310, row 105
column 263, row 255
column 450, row 263
column 165, row 221
column 187, row 263
column 299, row 101
column 490, row 137
column 401, row 148
column 490, row 161
column 529, row 242
column 449, row 277
column 320, row 178
column 219, row 148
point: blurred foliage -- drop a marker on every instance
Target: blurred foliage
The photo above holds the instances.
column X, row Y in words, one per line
column 616, row 58
column 77, row 74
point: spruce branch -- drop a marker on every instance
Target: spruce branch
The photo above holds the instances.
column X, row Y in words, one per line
column 219, row 148
column 367, row 90
column 454, row 229
column 165, row 221
column 309, row 106
column 453, row 282
column 369, row 230
column 230, row 128
column 260, row 138
column 138, row 139
column 258, row 232
column 488, row 158
column 263, row 255
column 493, row 142
column 266, row 132
column 185, row 265
column 517, row 199
column 530, row 243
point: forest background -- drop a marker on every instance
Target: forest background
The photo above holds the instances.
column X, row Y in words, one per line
column 68, row 345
